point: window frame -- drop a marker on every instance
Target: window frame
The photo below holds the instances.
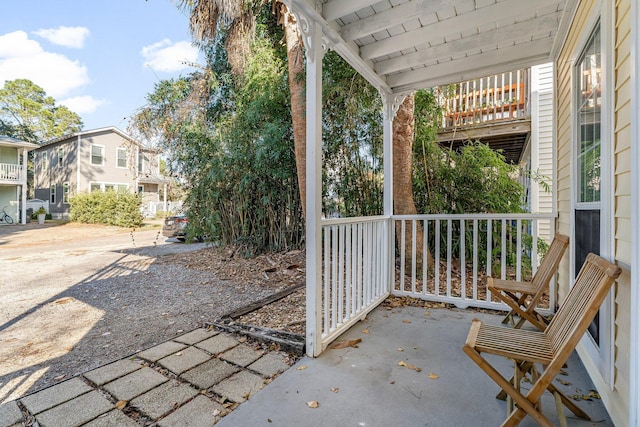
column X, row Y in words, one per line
column 52, row 194
column 102, row 159
column 66, row 188
column 44, row 159
column 60, row 154
column 126, row 157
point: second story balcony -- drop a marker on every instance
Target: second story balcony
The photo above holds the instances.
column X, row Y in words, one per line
column 493, row 109
column 11, row 173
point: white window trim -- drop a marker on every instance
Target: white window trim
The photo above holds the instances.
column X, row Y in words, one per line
column 91, row 155
column 59, row 156
column 66, row 191
column 126, row 158
column 601, row 361
column 103, row 184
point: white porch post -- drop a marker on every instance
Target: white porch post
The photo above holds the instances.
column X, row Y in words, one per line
column 387, row 137
column 634, row 356
column 25, row 178
column 315, row 51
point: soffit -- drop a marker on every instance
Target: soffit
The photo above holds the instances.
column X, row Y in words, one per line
column 404, row 45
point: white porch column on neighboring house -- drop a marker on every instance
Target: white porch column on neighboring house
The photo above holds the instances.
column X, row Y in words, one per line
column 23, row 203
column 312, row 34
column 634, row 356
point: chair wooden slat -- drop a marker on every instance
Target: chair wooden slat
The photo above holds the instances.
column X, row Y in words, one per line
column 523, row 297
column 550, row 348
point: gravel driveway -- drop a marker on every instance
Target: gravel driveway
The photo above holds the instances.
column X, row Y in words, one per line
column 74, row 297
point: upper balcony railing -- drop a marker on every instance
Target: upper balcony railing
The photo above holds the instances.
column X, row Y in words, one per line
column 11, row 172
column 497, row 98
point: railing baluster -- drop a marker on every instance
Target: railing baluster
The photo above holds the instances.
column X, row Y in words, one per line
column 414, row 237
column 334, row 277
column 519, row 251
column 341, row 281
column 475, row 259
column 347, row 269
column 489, row 252
column 327, row 261
column 503, row 251
column 403, row 254
column 425, row 251
column 449, row 255
column 463, row 262
column 436, row 289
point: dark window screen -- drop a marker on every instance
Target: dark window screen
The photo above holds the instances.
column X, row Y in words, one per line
column 587, row 239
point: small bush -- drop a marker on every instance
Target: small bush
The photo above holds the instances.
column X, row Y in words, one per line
column 111, row 208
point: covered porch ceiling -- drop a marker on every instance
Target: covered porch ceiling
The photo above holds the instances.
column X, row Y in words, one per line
column 403, row 45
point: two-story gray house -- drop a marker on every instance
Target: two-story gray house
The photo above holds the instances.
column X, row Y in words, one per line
column 95, row 160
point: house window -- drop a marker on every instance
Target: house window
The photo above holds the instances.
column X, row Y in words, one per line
column 52, row 198
column 97, row 155
column 109, row 186
column 140, row 163
column 44, row 160
column 122, row 157
column 65, row 192
column 140, row 189
column 60, row 156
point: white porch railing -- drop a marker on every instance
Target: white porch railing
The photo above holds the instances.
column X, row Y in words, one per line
column 360, row 267
column 466, row 249
column 356, row 272
column 10, row 172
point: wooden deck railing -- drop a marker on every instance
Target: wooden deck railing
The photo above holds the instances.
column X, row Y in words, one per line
column 500, row 97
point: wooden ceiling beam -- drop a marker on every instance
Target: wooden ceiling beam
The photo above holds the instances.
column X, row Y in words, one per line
column 453, row 26
column 335, row 9
column 485, row 41
column 509, row 58
column 397, row 15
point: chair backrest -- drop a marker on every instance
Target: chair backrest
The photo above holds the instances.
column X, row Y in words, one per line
column 550, row 262
column 581, row 304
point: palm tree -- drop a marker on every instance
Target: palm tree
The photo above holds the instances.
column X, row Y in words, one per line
column 237, row 16
column 403, row 202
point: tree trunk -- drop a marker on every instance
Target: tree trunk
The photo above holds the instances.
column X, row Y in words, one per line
column 295, row 58
column 403, row 203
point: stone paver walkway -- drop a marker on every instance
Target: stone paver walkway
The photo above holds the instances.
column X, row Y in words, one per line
column 191, row 380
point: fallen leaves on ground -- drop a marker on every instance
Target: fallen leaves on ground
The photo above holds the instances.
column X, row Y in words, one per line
column 301, row 368
column 345, row 344
column 434, row 376
column 313, row 404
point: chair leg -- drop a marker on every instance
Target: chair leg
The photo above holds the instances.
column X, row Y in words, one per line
column 560, row 410
column 524, row 406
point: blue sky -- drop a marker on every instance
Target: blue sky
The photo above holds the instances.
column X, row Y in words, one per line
column 99, row 58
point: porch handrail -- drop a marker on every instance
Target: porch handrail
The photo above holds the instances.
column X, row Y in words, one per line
column 466, row 249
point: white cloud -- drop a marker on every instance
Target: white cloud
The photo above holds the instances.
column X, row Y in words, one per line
column 22, row 58
column 169, row 57
column 65, row 36
column 82, row 104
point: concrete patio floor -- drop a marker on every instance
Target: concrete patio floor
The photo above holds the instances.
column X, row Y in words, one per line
column 367, row 386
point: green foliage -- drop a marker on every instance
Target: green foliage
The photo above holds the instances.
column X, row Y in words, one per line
column 121, row 209
column 230, row 138
column 352, row 141
column 27, row 113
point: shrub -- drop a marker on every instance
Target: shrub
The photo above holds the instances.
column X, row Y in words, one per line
column 111, row 208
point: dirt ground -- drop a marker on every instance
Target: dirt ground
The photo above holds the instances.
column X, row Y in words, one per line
column 75, row 296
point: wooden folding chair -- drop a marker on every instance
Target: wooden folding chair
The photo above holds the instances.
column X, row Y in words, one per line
column 515, row 293
column 550, row 348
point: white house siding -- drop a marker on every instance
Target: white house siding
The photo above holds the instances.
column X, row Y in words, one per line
column 622, row 192
column 542, row 146
column 617, row 398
